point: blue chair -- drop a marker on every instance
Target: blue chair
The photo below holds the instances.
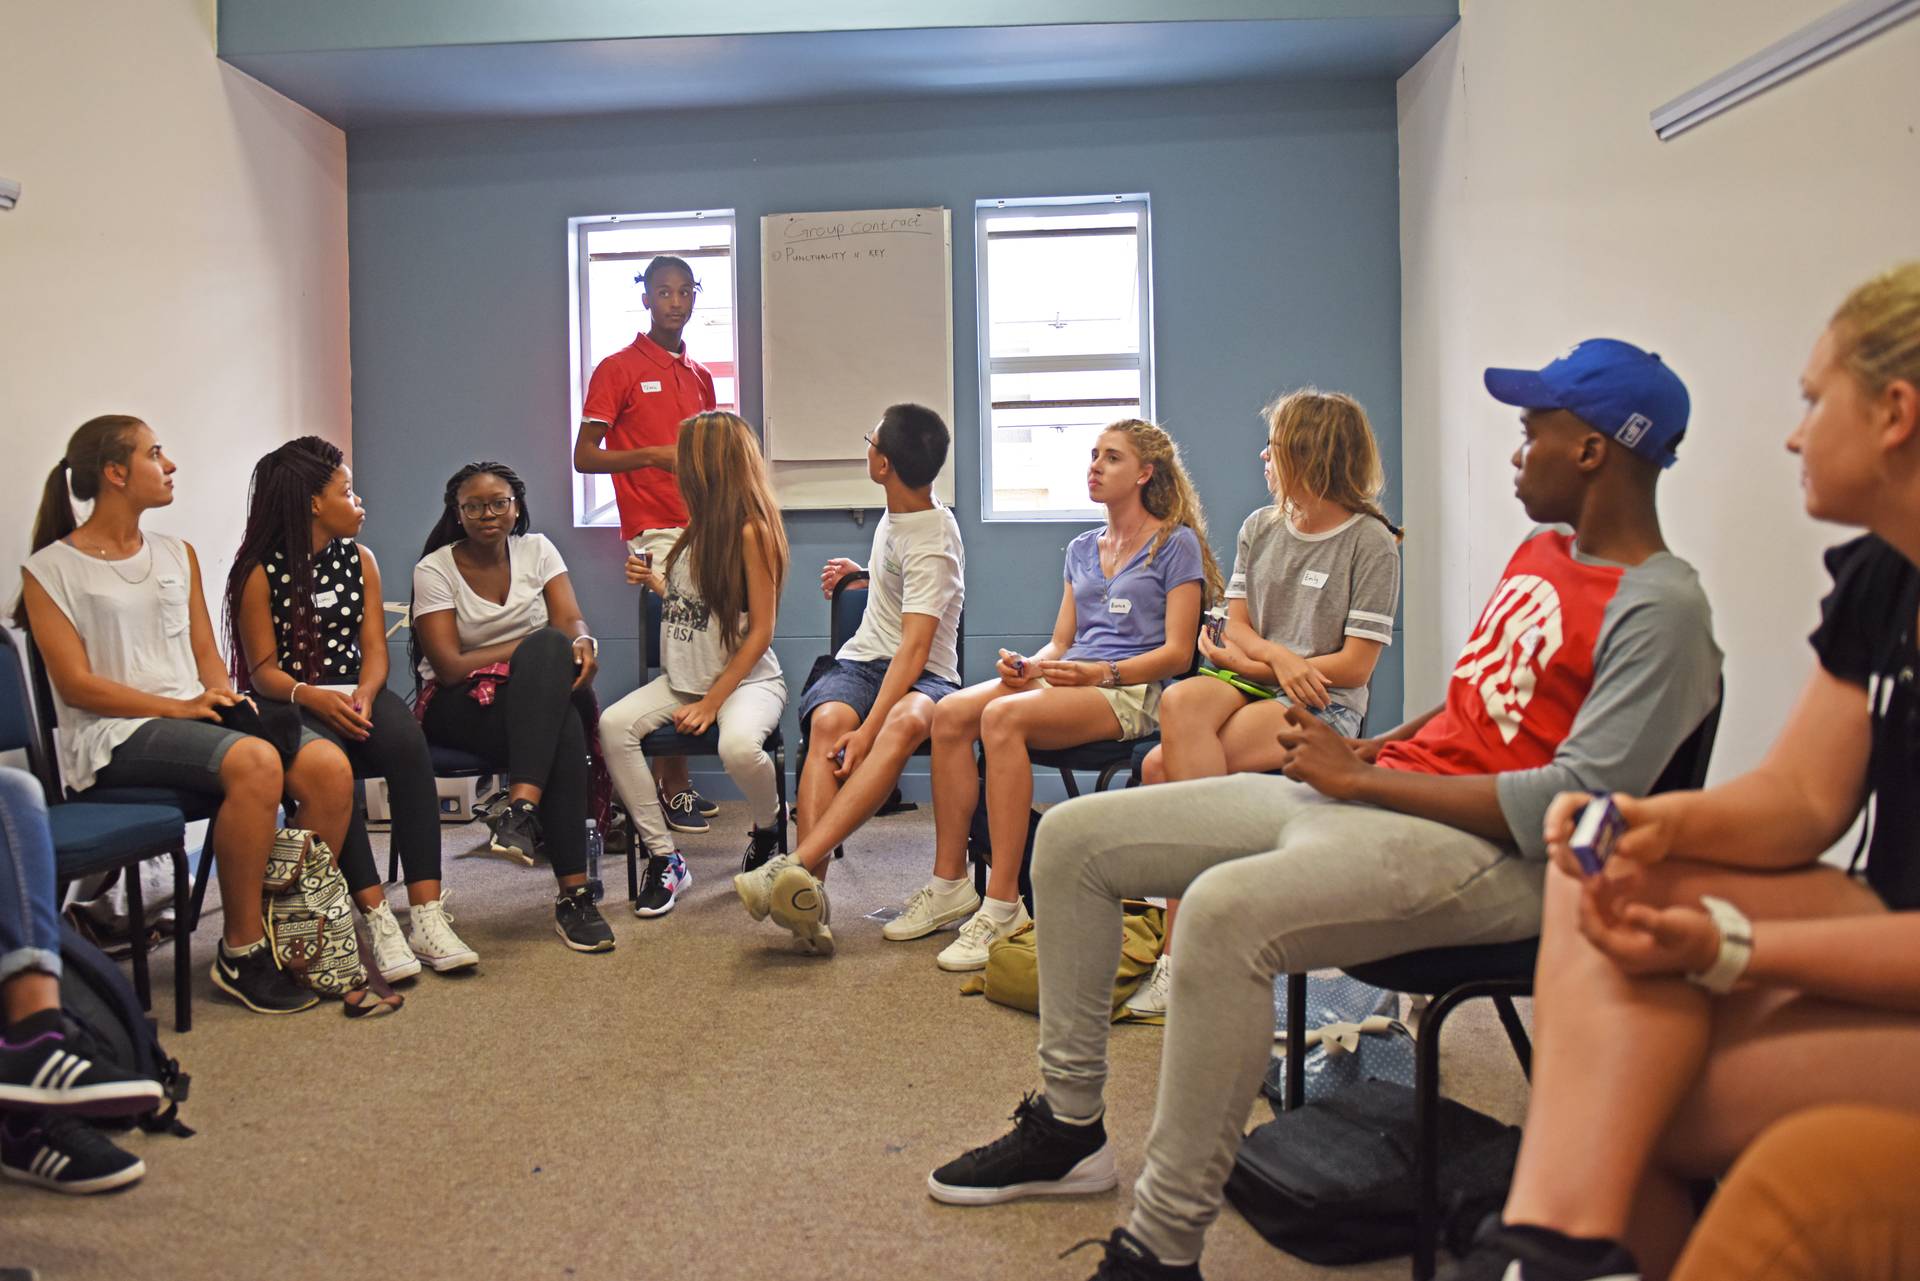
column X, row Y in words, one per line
column 109, row 835
column 1452, row 976
column 667, row 741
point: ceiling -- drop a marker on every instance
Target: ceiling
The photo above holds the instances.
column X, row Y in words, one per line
column 357, row 85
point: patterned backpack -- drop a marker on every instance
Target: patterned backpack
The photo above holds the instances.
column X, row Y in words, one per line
column 310, row 915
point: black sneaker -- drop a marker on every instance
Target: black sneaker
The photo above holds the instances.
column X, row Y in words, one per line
column 661, row 883
column 1501, row 1253
column 1128, row 1259
column 52, row 1072
column 577, row 920
column 64, row 1154
column 683, row 812
column 762, row 844
column 1038, row 1157
column 256, row 980
column 515, row 830
column 704, row 807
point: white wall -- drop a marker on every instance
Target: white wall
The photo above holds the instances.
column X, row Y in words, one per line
column 179, row 253
column 1538, row 208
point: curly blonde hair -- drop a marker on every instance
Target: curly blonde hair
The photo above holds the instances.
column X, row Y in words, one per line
column 1170, row 496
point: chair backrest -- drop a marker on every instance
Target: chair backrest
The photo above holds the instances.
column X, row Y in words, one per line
column 20, row 729
column 850, row 604
column 650, row 615
column 1687, row 769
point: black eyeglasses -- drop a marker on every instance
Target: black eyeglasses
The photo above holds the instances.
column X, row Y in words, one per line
column 486, row 507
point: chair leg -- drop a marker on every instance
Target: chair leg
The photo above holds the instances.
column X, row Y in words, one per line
column 1067, row 780
column 200, row 878
column 1516, row 1033
column 633, row 861
column 780, row 784
column 1296, row 1092
column 1112, row 772
column 137, row 936
column 1426, row 1119
column 182, row 946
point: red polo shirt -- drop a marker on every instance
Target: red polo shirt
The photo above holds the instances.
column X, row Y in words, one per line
column 643, row 393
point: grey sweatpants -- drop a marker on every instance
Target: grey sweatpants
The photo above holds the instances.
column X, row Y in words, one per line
column 1274, row 878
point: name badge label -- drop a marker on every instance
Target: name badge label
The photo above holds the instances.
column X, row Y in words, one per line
column 650, row 386
column 1119, row 605
column 327, row 599
column 1315, row 578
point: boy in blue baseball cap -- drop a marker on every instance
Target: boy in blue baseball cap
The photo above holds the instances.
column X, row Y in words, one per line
column 1591, row 664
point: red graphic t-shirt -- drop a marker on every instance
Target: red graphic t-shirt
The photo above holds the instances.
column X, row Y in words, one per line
column 1521, row 679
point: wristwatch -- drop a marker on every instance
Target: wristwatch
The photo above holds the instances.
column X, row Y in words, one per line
column 592, row 643
column 1736, row 946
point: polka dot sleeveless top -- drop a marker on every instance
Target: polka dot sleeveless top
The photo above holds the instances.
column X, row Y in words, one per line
column 337, row 613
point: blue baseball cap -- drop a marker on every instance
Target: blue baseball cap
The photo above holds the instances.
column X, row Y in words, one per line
column 1614, row 387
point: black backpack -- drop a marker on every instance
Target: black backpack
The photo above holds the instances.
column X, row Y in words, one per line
column 104, row 1013
column 1332, row 1180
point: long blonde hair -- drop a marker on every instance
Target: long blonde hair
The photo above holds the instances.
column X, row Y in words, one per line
column 1169, row 495
column 1878, row 328
column 1321, row 444
column 723, row 477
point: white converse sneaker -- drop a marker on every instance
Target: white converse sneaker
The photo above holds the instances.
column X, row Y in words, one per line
column 1150, row 998
column 755, row 888
column 390, row 951
column 799, row 902
column 928, row 910
column 969, row 951
column 434, row 940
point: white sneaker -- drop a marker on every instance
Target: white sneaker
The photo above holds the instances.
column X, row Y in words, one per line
column 1150, row 998
column 391, row 954
column 969, row 951
column 434, row 940
column 929, row 909
column 799, row 902
column 755, row 888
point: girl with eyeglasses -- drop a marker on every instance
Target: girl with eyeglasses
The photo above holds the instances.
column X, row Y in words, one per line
column 307, row 636
column 506, row 666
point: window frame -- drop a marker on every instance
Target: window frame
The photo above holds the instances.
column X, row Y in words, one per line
column 580, row 326
column 1053, row 207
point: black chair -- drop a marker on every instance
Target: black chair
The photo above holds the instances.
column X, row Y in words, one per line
column 1452, row 976
column 90, row 838
column 668, row 741
column 848, row 606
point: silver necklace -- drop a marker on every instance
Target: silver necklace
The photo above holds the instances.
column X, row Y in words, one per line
column 114, row 565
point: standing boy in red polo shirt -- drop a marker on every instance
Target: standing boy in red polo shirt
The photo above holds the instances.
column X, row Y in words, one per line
column 629, row 429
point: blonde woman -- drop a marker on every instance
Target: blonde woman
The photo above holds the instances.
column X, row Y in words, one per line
column 1316, row 576
column 721, row 587
column 1129, row 611
column 1716, row 977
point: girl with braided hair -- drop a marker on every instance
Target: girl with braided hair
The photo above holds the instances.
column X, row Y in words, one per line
column 1129, row 610
column 506, row 666
column 306, row 634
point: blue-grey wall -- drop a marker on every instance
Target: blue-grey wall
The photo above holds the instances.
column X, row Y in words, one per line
column 1275, row 263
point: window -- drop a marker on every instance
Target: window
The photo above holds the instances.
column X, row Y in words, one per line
column 1066, row 345
column 606, row 256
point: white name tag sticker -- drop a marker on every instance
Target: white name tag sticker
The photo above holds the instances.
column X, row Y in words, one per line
column 650, row 386
column 1315, row 578
column 327, row 599
column 1119, row 605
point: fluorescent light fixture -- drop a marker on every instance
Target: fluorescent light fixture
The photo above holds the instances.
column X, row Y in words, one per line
column 1845, row 27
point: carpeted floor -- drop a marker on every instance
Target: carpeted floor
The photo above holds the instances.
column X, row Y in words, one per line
column 702, row 1102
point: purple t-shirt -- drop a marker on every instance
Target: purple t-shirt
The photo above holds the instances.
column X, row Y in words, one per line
column 1126, row 615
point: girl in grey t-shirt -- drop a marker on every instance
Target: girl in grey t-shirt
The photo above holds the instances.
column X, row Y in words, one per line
column 1316, row 577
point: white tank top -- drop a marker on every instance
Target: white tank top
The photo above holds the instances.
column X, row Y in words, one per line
column 690, row 648
column 137, row 633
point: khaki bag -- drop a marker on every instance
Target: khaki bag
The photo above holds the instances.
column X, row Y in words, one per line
column 1013, row 963
column 309, row 915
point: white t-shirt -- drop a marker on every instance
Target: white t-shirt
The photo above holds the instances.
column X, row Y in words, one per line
column 138, row 634
column 438, row 585
column 918, row 567
column 690, row 648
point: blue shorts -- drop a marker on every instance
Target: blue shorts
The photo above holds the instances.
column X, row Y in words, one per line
column 857, row 684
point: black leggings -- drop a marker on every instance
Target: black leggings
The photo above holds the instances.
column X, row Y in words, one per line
column 533, row 724
column 396, row 750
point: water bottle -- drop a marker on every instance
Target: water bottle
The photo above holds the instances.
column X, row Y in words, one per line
column 595, row 847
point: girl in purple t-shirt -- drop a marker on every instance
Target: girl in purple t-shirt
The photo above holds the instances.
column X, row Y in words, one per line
column 1129, row 612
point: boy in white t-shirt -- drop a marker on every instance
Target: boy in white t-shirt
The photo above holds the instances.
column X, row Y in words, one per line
column 867, row 710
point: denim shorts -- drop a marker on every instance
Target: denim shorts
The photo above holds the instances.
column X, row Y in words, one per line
column 1343, row 720
column 857, row 684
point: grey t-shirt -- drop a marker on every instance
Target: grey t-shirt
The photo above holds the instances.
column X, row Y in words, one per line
column 1310, row 592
